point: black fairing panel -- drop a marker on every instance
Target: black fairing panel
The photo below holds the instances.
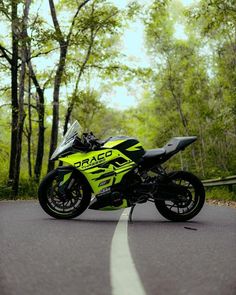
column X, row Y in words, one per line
column 136, row 154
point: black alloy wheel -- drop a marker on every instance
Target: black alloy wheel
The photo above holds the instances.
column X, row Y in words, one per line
column 187, row 204
column 63, row 205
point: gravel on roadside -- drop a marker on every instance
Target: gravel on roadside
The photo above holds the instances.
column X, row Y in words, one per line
column 221, row 203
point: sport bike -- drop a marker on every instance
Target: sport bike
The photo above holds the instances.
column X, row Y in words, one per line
column 118, row 173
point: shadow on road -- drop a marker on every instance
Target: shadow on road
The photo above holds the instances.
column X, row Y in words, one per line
column 135, row 222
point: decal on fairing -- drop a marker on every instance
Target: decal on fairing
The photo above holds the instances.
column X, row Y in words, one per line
column 94, row 161
column 101, row 168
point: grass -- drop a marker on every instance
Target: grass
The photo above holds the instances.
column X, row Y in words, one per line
column 220, row 194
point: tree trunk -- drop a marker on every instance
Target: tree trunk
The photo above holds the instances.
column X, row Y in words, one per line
column 40, row 145
column 68, row 116
column 29, row 133
column 55, row 114
column 81, row 71
column 75, row 92
column 14, row 89
column 41, row 127
column 21, row 117
column 20, row 125
column 64, row 43
column 57, row 83
column 179, row 109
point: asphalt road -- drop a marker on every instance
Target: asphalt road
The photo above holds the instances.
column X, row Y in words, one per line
column 40, row 255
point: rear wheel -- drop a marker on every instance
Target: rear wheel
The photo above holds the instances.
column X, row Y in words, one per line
column 187, row 204
column 59, row 203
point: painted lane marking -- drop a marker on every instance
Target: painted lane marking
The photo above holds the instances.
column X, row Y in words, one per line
column 124, row 277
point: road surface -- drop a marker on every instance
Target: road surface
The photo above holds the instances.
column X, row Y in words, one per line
column 41, row 255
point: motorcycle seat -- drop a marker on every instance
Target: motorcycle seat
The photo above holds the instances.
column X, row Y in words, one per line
column 153, row 154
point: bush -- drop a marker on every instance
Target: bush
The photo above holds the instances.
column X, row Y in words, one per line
column 27, row 190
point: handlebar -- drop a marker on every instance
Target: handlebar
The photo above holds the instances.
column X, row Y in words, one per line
column 90, row 141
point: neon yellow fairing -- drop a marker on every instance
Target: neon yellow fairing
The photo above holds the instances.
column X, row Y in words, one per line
column 102, row 168
column 111, row 144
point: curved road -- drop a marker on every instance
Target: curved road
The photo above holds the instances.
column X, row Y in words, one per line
column 40, row 255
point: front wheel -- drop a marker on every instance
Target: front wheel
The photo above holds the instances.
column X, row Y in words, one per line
column 187, row 204
column 63, row 203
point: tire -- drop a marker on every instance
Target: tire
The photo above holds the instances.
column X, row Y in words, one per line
column 183, row 210
column 71, row 206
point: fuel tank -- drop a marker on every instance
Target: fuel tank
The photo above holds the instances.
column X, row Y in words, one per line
column 129, row 146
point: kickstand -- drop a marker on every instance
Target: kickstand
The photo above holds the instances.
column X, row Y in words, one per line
column 130, row 213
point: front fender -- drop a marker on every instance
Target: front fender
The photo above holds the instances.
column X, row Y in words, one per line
column 72, row 171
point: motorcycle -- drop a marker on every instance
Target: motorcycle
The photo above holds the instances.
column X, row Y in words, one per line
column 118, row 173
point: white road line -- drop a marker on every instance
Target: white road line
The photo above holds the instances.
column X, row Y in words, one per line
column 124, row 277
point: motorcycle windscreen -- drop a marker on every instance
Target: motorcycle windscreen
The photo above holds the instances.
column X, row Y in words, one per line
column 74, row 131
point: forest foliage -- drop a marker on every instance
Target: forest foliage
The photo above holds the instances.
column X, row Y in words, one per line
column 50, row 62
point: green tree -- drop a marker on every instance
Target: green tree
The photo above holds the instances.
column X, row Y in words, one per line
column 216, row 22
column 97, row 33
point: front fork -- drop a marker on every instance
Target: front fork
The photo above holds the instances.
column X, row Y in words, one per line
column 66, row 180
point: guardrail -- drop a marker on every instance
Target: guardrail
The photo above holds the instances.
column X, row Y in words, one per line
column 226, row 181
